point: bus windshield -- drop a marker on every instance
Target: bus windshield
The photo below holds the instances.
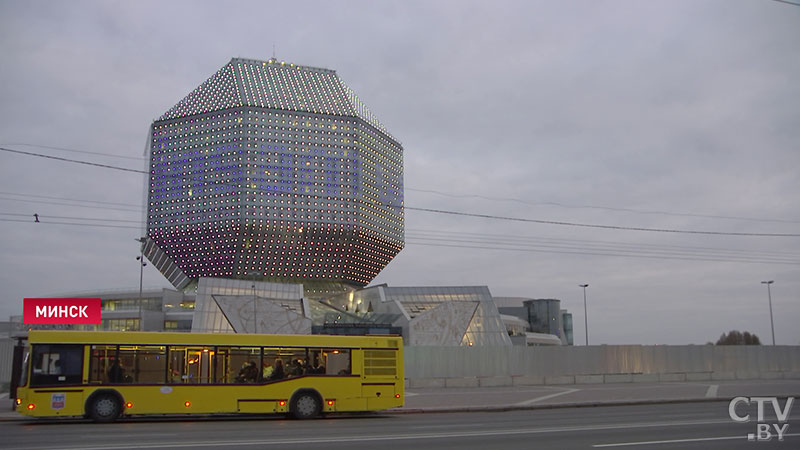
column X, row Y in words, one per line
column 23, row 376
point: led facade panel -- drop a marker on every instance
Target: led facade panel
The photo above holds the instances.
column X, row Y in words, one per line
column 273, row 171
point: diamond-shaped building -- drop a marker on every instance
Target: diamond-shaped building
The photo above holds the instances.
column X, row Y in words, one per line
column 273, row 171
column 274, row 197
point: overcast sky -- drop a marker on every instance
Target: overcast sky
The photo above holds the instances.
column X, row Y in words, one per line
column 671, row 115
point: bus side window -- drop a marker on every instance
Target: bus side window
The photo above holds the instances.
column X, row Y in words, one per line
column 176, row 372
column 141, row 364
column 316, row 363
column 238, row 365
column 55, row 364
column 296, row 361
column 190, row 365
column 101, row 358
column 221, row 365
column 337, row 361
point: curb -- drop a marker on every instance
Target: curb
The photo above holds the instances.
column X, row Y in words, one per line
column 13, row 416
column 506, row 408
column 16, row 417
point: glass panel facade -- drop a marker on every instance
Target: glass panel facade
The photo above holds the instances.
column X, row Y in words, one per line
column 208, row 317
column 120, row 324
column 424, row 303
column 148, row 304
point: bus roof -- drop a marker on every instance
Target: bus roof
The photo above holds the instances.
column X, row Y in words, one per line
column 210, row 339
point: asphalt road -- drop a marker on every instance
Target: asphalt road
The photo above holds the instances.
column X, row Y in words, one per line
column 666, row 426
column 453, row 399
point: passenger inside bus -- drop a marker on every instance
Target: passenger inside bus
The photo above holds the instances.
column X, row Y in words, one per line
column 116, row 373
column 248, row 373
column 266, row 371
column 277, row 370
column 295, row 368
column 317, row 368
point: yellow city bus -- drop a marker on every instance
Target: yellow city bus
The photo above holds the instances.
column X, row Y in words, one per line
column 106, row 375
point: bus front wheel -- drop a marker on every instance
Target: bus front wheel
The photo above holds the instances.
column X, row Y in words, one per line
column 305, row 405
column 105, row 408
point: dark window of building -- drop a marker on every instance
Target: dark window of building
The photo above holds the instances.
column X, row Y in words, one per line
column 120, row 324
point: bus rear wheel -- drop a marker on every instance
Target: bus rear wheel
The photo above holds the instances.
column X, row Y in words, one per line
column 105, row 408
column 305, row 405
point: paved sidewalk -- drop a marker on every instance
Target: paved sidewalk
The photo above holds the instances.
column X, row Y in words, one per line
column 542, row 397
column 564, row 396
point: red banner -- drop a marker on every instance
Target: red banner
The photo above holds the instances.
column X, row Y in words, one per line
column 61, row 311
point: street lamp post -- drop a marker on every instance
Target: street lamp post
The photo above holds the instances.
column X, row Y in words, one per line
column 771, row 321
column 585, row 313
column 140, row 258
column 255, row 316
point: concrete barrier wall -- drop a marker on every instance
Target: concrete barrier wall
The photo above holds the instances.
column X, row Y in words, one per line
column 502, row 366
column 609, row 363
column 6, row 359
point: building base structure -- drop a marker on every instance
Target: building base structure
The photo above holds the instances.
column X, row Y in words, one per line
column 425, row 316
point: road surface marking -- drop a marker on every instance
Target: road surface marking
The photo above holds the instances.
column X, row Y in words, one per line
column 678, row 441
column 712, row 391
column 545, row 397
column 183, row 443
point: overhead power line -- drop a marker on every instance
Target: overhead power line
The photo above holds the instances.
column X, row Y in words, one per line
column 75, row 161
column 787, row 2
column 73, row 202
column 587, row 225
column 515, row 243
column 72, row 150
column 71, row 199
column 104, row 208
column 600, row 253
column 79, row 220
column 451, row 195
column 534, row 240
column 604, row 208
column 598, row 248
column 458, row 213
column 93, row 219
column 525, row 244
column 71, row 223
